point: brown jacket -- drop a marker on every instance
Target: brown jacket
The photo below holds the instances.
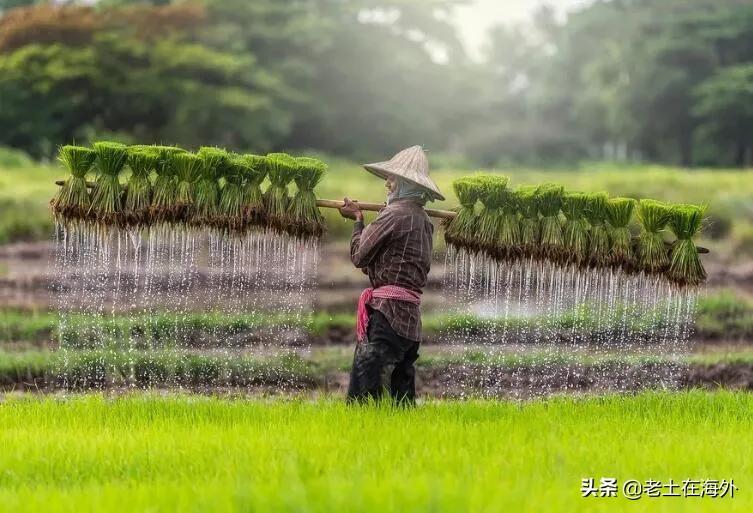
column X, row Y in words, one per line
column 396, row 249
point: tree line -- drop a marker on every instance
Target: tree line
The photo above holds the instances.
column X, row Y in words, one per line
column 666, row 81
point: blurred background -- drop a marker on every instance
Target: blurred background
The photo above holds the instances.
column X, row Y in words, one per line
column 639, row 90
column 644, row 98
column 479, row 83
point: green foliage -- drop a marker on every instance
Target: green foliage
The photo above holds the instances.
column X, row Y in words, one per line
column 599, row 243
column 576, row 228
column 302, row 75
column 460, row 231
column 164, row 192
column 620, row 213
column 305, row 218
column 188, row 170
column 106, row 203
column 549, row 200
column 281, row 169
column 11, row 158
column 685, row 266
column 724, row 315
column 159, row 452
column 231, row 216
column 509, row 238
column 530, row 228
column 725, row 104
column 253, row 199
column 652, row 253
column 493, row 189
column 138, row 194
column 72, row 201
column 208, row 186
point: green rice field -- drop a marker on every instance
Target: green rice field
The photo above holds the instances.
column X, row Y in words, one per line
column 271, row 432
column 145, row 453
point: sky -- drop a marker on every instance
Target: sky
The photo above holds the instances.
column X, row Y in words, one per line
column 475, row 18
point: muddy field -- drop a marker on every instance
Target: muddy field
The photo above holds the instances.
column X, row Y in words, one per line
column 452, row 381
column 27, row 279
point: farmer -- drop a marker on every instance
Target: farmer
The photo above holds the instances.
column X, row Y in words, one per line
column 395, row 252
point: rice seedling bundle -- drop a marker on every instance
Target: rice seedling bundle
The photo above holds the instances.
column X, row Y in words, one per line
column 138, row 194
column 509, row 237
column 231, row 216
column 492, row 196
column 188, row 168
column 685, row 267
column 461, row 230
column 652, row 253
column 107, row 205
column 575, row 231
column 620, row 213
column 305, row 218
column 253, row 199
column 72, row 201
column 164, row 190
column 598, row 241
column 282, row 168
column 549, row 198
column 530, row 234
column 207, row 190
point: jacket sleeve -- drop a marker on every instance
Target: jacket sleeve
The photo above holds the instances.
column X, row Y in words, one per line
column 366, row 243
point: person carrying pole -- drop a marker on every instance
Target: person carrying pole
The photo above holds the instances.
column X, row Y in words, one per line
column 395, row 252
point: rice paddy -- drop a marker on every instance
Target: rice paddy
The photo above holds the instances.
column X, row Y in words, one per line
column 549, row 249
column 179, row 453
column 536, row 253
column 543, row 306
column 179, row 221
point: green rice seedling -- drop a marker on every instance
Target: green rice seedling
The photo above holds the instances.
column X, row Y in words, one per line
column 685, row 267
column 530, row 229
column 253, row 199
column 306, row 221
column 509, row 237
column 72, row 201
column 107, row 205
column 207, row 190
column 138, row 195
column 460, row 231
column 164, row 190
column 598, row 241
column 282, row 168
column 652, row 252
column 188, row 168
column 231, row 218
column 492, row 196
column 575, row 230
column 549, row 198
column 620, row 213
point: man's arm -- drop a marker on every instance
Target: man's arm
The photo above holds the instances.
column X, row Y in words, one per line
column 366, row 242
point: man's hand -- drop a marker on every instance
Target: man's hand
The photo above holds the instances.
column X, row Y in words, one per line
column 350, row 210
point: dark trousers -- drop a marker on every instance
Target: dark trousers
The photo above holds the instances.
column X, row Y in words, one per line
column 384, row 353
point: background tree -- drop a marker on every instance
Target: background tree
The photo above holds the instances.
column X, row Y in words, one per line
column 655, row 80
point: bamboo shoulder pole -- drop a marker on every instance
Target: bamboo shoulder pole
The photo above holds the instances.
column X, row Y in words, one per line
column 376, row 207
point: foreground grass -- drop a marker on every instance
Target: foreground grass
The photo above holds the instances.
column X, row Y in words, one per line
column 145, row 453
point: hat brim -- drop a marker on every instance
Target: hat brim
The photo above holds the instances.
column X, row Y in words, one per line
column 379, row 169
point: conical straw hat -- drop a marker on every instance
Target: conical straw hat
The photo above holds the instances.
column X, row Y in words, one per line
column 410, row 164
